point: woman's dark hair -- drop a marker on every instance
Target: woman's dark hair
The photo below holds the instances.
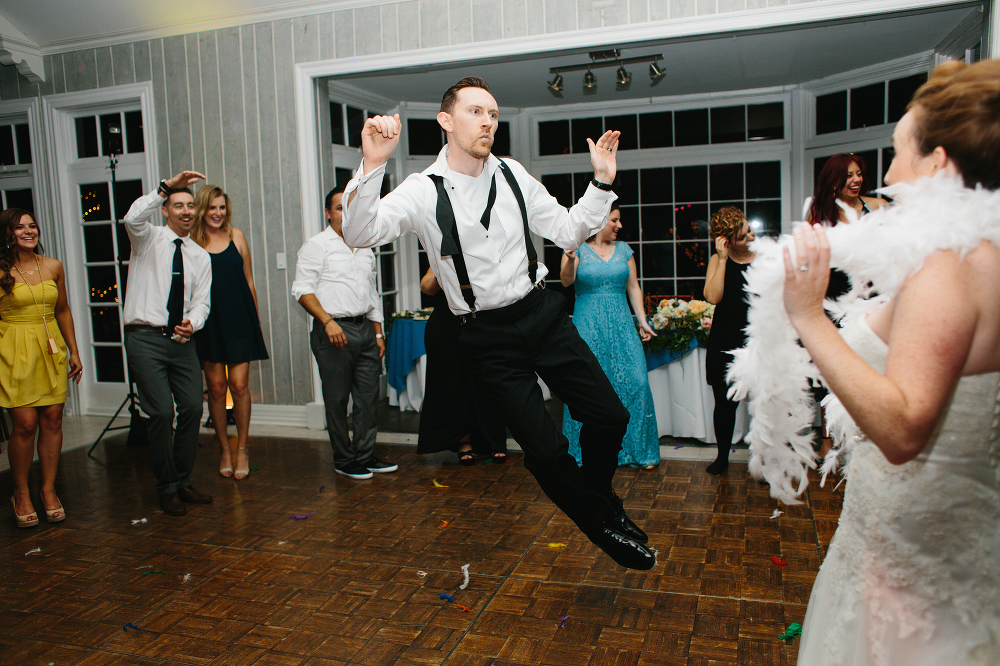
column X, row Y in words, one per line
column 959, row 109
column 9, row 219
column 830, row 181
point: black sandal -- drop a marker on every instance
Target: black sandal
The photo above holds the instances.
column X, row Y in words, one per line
column 466, row 458
column 499, row 457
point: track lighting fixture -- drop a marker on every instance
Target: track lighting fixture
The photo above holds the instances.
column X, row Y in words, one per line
column 622, row 77
column 608, row 58
column 655, row 73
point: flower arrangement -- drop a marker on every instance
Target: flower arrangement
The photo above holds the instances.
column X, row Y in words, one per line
column 413, row 314
column 677, row 322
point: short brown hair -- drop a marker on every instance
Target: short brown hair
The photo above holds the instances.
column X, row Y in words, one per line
column 448, row 101
column 959, row 109
column 726, row 222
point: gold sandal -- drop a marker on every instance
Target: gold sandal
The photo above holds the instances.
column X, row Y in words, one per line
column 240, row 474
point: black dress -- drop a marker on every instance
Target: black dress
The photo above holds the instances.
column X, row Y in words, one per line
column 728, row 324
column 232, row 331
column 449, row 412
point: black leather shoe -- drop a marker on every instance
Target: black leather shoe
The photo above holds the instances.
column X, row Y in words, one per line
column 622, row 523
column 192, row 496
column 172, row 504
column 625, row 551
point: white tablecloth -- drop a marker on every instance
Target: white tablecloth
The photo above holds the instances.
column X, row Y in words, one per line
column 684, row 402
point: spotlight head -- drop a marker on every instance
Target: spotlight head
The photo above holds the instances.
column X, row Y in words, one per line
column 556, row 84
column 589, row 80
column 622, row 77
column 655, row 73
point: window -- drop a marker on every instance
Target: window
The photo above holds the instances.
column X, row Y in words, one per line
column 15, row 145
column 667, row 129
column 114, row 133
column 665, row 212
column 869, row 105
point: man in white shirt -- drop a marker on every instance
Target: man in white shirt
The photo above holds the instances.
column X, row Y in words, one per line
column 472, row 213
column 336, row 284
column 168, row 299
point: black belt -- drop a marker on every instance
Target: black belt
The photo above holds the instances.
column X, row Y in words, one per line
column 507, row 312
column 359, row 319
column 143, row 328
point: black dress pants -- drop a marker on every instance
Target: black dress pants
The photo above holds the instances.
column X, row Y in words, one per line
column 506, row 350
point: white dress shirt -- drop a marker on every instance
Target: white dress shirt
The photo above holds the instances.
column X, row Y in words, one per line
column 341, row 278
column 151, row 265
column 498, row 273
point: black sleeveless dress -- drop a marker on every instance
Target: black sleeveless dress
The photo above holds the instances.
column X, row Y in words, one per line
column 728, row 324
column 232, row 331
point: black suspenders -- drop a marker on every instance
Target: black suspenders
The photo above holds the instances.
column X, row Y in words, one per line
column 451, row 245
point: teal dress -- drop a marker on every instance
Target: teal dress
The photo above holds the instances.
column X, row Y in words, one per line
column 603, row 318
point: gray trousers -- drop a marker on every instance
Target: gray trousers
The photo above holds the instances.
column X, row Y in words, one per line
column 349, row 372
column 165, row 373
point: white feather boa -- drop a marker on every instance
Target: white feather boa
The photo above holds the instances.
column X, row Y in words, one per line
column 883, row 248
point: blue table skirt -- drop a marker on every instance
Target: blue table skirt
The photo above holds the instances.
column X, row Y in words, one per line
column 656, row 359
column 406, row 345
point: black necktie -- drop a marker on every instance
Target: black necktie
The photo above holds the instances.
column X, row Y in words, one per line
column 485, row 220
column 175, row 301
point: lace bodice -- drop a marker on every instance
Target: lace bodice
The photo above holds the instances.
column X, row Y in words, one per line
column 595, row 275
column 917, row 551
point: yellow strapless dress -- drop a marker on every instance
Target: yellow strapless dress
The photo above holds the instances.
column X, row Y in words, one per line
column 30, row 376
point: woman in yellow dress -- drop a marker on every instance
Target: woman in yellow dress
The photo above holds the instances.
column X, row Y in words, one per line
column 37, row 341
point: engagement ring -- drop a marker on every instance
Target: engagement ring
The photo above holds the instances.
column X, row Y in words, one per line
column 803, row 268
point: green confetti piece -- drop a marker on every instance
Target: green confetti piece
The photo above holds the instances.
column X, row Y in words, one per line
column 254, row 468
column 794, row 629
column 154, row 571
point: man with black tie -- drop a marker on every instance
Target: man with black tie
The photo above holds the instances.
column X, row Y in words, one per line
column 168, row 299
column 474, row 215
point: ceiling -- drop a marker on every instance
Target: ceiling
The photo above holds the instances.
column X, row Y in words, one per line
column 737, row 61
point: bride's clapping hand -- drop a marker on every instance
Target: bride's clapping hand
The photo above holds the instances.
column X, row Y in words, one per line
column 808, row 276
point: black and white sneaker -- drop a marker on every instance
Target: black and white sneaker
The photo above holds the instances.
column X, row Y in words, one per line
column 354, row 470
column 380, row 466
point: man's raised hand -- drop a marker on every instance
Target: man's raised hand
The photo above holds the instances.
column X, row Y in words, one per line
column 604, row 156
column 379, row 137
column 184, row 179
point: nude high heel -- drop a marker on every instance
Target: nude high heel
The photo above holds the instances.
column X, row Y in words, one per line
column 27, row 520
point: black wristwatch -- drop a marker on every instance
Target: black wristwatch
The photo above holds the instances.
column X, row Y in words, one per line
column 601, row 186
column 165, row 190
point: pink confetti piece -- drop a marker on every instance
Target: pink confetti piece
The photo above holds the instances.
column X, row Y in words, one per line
column 294, row 517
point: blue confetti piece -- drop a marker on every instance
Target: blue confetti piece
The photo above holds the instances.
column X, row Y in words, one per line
column 447, row 597
column 128, row 626
column 293, row 517
column 678, row 447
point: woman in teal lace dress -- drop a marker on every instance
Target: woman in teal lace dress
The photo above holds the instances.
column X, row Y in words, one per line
column 604, row 272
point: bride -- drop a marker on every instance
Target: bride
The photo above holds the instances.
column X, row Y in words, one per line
column 912, row 575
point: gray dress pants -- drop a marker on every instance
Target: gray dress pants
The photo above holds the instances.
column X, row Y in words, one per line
column 165, row 373
column 349, row 372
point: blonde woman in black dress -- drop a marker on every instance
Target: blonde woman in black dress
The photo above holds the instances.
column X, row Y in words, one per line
column 231, row 337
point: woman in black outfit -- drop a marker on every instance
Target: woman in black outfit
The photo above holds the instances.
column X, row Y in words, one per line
column 450, row 420
column 231, row 337
column 724, row 287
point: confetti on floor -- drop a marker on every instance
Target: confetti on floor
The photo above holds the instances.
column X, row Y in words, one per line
column 444, row 524
column 128, row 626
column 139, row 521
column 777, row 512
column 465, row 583
column 294, row 517
column 556, row 544
column 462, row 608
column 185, row 578
column 254, row 468
column 438, row 485
column 322, row 487
column 154, row 571
column 33, row 550
column 422, row 574
column 794, row 629
column 562, row 621
column 780, row 562
column 446, row 597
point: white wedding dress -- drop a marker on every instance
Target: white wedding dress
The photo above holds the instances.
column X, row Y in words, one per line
column 912, row 577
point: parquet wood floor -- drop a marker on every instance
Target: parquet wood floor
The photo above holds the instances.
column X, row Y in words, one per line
column 358, row 581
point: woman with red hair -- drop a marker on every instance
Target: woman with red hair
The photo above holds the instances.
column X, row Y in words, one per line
column 843, row 182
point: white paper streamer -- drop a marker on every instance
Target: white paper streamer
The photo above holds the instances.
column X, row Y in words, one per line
column 465, row 570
